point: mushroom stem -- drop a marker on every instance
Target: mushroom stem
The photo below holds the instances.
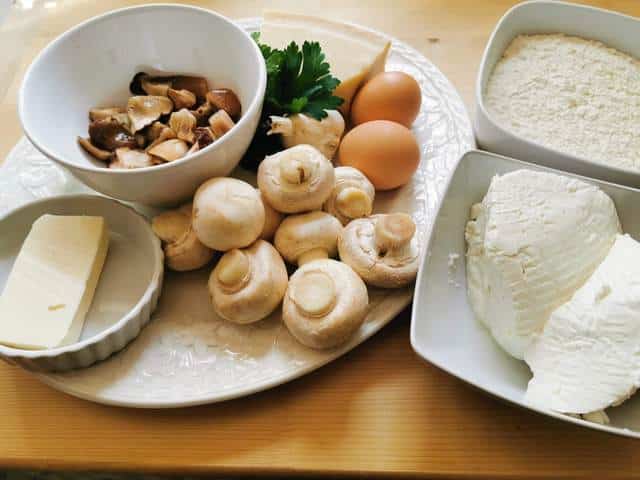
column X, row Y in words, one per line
column 280, row 125
column 353, row 202
column 315, row 294
column 233, row 270
column 393, row 232
column 294, row 170
column 314, row 254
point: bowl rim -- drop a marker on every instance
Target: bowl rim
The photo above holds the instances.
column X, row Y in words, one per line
column 155, row 283
column 513, row 137
column 255, row 104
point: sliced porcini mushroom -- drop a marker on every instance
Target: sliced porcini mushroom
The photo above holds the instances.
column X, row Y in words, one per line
column 202, row 114
column 297, row 179
column 183, row 124
column 104, row 113
column 382, row 249
column 170, row 150
column 181, row 98
column 248, row 284
column 226, row 100
column 183, row 250
column 220, row 123
column 325, row 304
column 272, row 219
column 143, row 110
column 308, row 236
column 109, row 134
column 91, row 149
column 352, row 195
column 197, row 85
column 165, row 133
column 127, row 158
column 227, row 214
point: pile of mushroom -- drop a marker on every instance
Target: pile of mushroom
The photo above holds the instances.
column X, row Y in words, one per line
column 167, row 118
column 312, row 212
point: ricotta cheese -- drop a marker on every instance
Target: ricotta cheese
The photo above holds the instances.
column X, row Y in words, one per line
column 574, row 95
column 532, row 242
column 588, row 355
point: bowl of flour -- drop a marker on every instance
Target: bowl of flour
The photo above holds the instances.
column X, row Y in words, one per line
column 564, row 93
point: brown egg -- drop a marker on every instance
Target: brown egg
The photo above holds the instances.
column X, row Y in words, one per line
column 391, row 96
column 386, row 152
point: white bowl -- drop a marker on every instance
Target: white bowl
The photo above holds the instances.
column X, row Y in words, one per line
column 127, row 292
column 543, row 16
column 92, row 65
column 444, row 330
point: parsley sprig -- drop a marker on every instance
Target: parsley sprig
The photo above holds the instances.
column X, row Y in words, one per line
column 298, row 81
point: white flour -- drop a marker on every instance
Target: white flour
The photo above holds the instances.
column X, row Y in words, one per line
column 575, row 95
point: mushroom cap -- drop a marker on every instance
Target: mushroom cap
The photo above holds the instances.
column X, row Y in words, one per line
column 169, row 150
column 227, row 213
column 248, row 284
column 110, row 133
column 143, row 110
column 297, row 179
column 382, row 249
column 225, row 99
column 352, row 195
column 183, row 251
column 181, row 98
column 312, row 234
column 272, row 219
column 127, row 158
column 325, row 303
column 183, row 123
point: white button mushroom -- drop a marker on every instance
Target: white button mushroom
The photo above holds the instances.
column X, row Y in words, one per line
column 296, row 180
column 352, row 195
column 272, row 219
column 301, row 129
column 308, row 236
column 248, row 284
column 325, row 304
column 227, row 213
column 183, row 251
column 382, row 249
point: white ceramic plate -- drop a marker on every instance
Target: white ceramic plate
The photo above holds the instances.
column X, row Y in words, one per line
column 187, row 355
column 443, row 328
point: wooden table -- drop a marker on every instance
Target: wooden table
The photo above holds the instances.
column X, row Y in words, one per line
column 379, row 410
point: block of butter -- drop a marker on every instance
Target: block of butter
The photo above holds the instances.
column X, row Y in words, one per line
column 354, row 54
column 51, row 285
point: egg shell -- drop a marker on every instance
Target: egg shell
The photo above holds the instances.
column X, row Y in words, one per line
column 391, row 96
column 386, row 152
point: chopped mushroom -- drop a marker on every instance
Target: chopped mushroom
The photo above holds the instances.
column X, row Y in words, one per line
column 126, row 158
column 144, row 110
column 382, row 249
column 109, row 134
column 155, row 86
column 352, row 195
column 202, row 114
column 197, row 85
column 227, row 214
column 225, row 99
column 170, row 150
column 203, row 138
column 104, row 113
column 183, row 124
column 248, row 284
column 183, row 250
column 94, row 151
column 325, row 304
column 295, row 180
column 181, row 98
column 164, row 134
column 220, row 123
column 144, row 83
column 308, row 236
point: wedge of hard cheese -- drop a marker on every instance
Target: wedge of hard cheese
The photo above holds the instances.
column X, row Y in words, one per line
column 354, row 54
column 51, row 286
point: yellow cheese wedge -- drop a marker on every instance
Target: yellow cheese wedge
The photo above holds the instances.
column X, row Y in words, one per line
column 355, row 54
column 51, row 285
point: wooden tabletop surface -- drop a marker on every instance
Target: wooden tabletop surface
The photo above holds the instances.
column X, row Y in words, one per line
column 379, row 409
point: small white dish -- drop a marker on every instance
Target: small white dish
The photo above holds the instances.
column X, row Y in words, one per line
column 92, row 64
column 444, row 330
column 545, row 16
column 127, row 292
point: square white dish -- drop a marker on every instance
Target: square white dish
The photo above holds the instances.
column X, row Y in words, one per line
column 538, row 17
column 444, row 330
